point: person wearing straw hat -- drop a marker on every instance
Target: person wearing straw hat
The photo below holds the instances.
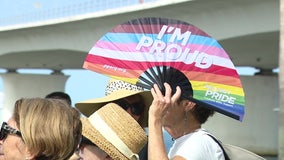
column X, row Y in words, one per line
column 113, row 133
column 130, row 97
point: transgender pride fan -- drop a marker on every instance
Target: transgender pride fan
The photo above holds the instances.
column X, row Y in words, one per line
column 143, row 51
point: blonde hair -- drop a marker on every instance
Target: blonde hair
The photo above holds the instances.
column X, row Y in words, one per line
column 50, row 128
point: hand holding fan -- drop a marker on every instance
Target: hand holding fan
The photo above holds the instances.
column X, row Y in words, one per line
column 153, row 50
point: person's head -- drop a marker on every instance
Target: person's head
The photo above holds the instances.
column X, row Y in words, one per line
column 132, row 98
column 186, row 106
column 112, row 132
column 41, row 129
column 60, row 95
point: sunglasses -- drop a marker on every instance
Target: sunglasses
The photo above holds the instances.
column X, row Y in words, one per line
column 135, row 108
column 6, row 129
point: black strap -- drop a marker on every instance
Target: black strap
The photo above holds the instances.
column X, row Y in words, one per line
column 224, row 152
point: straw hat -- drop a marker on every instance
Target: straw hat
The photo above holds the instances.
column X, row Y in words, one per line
column 114, row 131
column 117, row 89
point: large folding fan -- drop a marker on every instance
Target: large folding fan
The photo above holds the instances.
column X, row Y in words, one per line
column 153, row 50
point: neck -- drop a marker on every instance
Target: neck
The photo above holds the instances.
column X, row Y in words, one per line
column 178, row 131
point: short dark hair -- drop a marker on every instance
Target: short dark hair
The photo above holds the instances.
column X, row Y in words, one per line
column 202, row 113
column 59, row 95
column 176, row 78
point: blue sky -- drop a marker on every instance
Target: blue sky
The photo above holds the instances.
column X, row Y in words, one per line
column 81, row 85
column 85, row 84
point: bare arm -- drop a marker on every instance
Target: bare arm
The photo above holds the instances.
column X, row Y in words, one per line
column 156, row 147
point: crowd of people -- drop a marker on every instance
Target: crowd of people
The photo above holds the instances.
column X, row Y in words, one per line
column 110, row 127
